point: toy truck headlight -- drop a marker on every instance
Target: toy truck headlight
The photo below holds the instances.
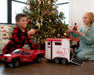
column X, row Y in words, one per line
column 8, row 58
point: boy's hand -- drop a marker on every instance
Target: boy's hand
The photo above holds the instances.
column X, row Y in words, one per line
column 32, row 31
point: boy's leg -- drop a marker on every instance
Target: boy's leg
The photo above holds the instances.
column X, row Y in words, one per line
column 87, row 54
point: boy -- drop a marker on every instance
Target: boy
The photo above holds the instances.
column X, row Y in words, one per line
column 20, row 35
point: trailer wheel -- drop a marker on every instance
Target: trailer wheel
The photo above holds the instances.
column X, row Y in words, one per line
column 56, row 60
column 64, row 61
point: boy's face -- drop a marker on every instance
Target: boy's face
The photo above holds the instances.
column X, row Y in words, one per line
column 22, row 22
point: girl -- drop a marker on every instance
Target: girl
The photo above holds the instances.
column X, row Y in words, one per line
column 86, row 34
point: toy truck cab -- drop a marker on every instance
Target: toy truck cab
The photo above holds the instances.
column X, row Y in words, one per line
column 58, row 49
column 22, row 55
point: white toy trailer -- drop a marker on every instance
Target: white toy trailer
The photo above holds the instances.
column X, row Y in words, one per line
column 58, row 49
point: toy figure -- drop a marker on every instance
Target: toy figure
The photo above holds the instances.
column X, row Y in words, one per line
column 75, row 27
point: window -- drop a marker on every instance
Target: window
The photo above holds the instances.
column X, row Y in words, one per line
column 58, row 43
column 17, row 51
column 3, row 11
column 48, row 43
column 26, row 53
column 63, row 6
column 17, row 7
column 22, row 0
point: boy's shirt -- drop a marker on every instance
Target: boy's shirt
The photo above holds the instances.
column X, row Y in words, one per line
column 18, row 39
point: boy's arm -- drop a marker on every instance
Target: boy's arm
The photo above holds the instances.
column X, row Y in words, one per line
column 31, row 45
column 15, row 35
column 32, row 31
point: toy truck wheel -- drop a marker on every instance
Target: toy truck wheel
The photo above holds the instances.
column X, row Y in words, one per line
column 56, row 60
column 17, row 63
column 64, row 61
column 14, row 64
column 11, row 65
column 39, row 58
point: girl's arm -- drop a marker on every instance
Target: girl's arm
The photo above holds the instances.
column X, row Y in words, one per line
column 77, row 33
column 89, row 40
column 74, row 34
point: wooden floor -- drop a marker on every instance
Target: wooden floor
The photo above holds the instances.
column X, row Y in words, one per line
column 46, row 68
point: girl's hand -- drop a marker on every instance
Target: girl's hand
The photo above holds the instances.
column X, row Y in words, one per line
column 78, row 32
column 32, row 31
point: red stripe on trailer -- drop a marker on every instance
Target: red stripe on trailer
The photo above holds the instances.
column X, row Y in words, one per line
column 55, row 39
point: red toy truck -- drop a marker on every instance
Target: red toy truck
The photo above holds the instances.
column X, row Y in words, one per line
column 22, row 55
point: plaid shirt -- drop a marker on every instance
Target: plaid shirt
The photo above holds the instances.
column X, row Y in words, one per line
column 18, row 39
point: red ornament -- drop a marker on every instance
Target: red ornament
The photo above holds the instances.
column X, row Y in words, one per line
column 30, row 21
column 58, row 24
column 45, row 11
column 53, row 20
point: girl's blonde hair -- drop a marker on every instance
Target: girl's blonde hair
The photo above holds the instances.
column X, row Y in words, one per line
column 91, row 18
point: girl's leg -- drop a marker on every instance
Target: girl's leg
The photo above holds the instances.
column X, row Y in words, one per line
column 87, row 54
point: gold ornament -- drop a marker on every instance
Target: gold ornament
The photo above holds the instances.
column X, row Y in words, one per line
column 49, row 27
column 49, row 1
column 65, row 34
column 53, row 31
column 58, row 35
column 56, row 11
column 55, row 6
column 39, row 2
column 50, row 20
column 45, row 0
column 38, row 24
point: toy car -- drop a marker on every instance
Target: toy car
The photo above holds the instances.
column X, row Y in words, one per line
column 22, row 55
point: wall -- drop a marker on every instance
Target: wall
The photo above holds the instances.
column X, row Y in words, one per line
column 77, row 10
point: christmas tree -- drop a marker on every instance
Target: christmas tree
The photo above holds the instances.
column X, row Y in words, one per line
column 44, row 14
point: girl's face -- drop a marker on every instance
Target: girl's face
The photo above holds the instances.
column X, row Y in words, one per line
column 86, row 19
column 22, row 22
